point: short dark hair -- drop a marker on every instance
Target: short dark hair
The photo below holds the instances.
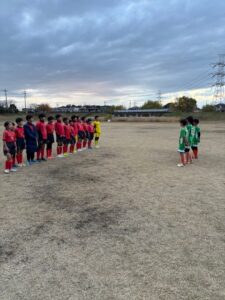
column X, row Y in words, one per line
column 65, row 119
column 58, row 116
column 196, row 121
column 183, row 122
column 96, row 117
column 190, row 120
column 6, row 124
column 83, row 119
column 42, row 116
column 18, row 120
column 50, row 118
column 29, row 117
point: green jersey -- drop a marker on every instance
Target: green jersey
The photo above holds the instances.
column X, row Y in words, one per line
column 190, row 134
column 183, row 134
column 196, row 137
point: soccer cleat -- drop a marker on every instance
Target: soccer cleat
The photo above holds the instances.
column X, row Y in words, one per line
column 38, row 161
column 13, row 170
column 97, row 146
column 6, row 171
column 75, row 151
column 79, row 150
column 20, row 165
column 180, row 165
column 50, row 157
column 60, row 156
column 44, row 159
column 65, row 154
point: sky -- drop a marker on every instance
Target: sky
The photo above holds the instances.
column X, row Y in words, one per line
column 113, row 52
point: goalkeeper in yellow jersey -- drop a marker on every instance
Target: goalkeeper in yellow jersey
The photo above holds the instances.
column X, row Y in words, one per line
column 97, row 128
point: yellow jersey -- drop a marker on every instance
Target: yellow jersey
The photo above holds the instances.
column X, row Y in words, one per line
column 97, row 126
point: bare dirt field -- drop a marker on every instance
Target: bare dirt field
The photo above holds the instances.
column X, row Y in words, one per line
column 119, row 222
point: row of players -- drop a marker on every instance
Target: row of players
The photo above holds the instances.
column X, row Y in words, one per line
column 75, row 134
column 189, row 140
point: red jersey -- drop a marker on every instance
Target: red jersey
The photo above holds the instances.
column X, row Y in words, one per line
column 67, row 131
column 72, row 131
column 59, row 129
column 80, row 126
column 85, row 126
column 9, row 136
column 41, row 129
column 19, row 132
column 90, row 128
column 75, row 127
column 50, row 127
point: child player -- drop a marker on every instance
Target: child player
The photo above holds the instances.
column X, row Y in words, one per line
column 196, row 138
column 182, row 142
column 9, row 147
column 42, row 137
column 81, row 134
column 50, row 128
column 72, row 137
column 85, row 129
column 67, row 136
column 90, row 129
column 60, row 135
column 20, row 141
column 75, row 127
column 31, row 138
column 97, row 127
column 190, row 131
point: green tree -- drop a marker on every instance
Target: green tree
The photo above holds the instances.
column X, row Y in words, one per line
column 151, row 105
column 44, row 107
column 185, row 104
column 208, row 108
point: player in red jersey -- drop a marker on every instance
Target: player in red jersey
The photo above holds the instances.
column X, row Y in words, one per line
column 9, row 147
column 60, row 135
column 72, row 137
column 91, row 131
column 50, row 128
column 81, row 134
column 67, row 136
column 20, row 141
column 85, row 128
column 75, row 127
column 42, row 137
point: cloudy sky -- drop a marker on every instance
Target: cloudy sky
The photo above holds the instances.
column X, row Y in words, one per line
column 92, row 51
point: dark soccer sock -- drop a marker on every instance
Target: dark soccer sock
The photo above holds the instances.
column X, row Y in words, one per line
column 38, row 154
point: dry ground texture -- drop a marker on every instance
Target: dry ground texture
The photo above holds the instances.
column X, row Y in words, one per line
column 120, row 222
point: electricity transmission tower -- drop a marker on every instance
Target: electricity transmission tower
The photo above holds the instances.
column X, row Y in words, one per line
column 6, row 97
column 219, row 75
column 159, row 96
column 25, row 101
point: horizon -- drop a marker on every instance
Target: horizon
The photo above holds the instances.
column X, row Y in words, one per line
column 109, row 52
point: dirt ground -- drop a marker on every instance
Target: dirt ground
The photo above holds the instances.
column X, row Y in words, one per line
column 119, row 222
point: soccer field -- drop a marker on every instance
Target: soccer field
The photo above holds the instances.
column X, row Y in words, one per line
column 119, row 222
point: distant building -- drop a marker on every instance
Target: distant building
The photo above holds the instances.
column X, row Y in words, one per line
column 220, row 107
column 140, row 112
column 82, row 109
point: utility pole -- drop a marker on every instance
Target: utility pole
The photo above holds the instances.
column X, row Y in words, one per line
column 6, row 97
column 219, row 75
column 25, row 101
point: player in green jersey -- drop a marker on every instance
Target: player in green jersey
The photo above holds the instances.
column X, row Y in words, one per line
column 190, row 135
column 196, row 137
column 182, row 142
